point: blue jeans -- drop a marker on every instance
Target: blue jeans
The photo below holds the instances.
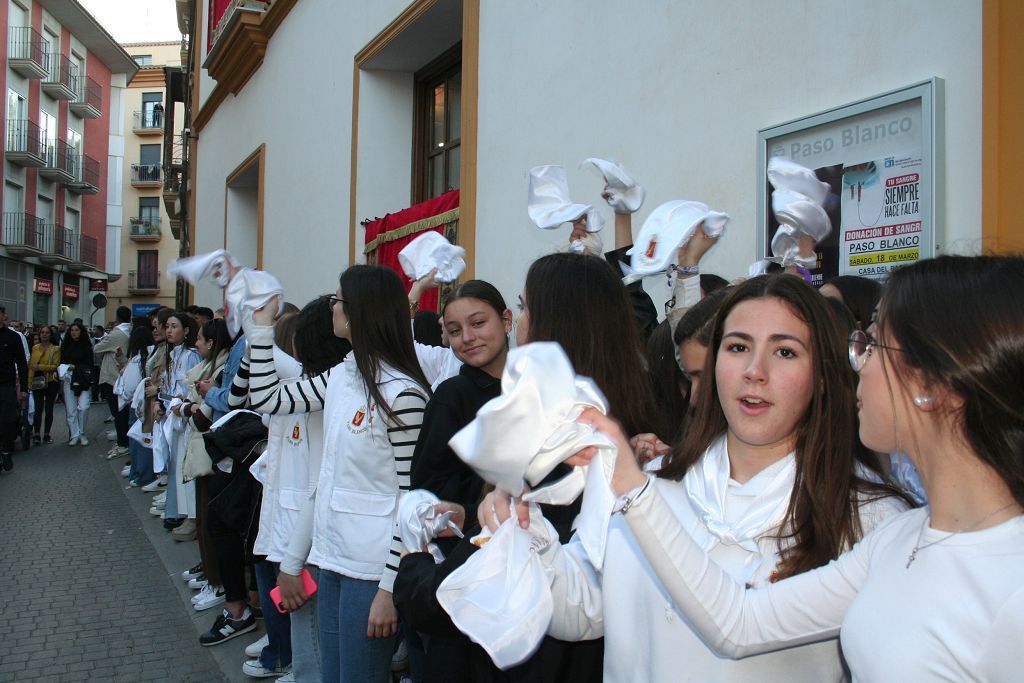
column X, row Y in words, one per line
column 278, row 653
column 142, row 461
column 346, row 654
column 306, row 638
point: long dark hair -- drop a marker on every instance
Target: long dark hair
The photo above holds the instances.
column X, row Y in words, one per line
column 71, row 348
column 189, row 324
column 138, row 343
column 377, row 307
column 216, row 331
column 316, row 346
column 822, row 518
column 668, row 384
column 959, row 323
column 860, row 294
column 577, row 301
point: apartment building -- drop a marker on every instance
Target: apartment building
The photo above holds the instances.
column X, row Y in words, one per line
column 147, row 244
column 311, row 118
column 64, row 76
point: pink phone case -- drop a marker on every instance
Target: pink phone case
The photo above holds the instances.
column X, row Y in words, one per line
column 308, row 584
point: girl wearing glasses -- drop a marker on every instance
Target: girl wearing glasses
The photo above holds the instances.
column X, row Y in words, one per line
column 932, row 594
column 767, row 481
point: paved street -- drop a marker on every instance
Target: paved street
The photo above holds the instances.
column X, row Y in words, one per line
column 90, row 581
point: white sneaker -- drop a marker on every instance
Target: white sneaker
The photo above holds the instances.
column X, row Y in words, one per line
column 74, row 441
column 256, row 649
column 287, row 678
column 126, row 470
column 117, row 452
column 84, row 441
column 112, row 435
column 201, row 594
column 198, row 583
column 155, row 485
column 192, row 572
column 212, row 598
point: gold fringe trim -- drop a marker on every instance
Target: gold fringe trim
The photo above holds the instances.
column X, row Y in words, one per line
column 412, row 229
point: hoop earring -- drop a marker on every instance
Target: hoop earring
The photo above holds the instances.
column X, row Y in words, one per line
column 923, row 401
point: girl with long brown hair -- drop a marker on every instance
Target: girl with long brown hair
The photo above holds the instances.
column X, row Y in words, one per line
column 766, row 480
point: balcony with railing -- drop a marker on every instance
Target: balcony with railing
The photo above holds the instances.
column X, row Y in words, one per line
column 21, row 234
column 143, row 282
column 86, row 254
column 25, row 145
column 27, row 51
column 60, row 162
column 146, row 175
column 88, row 102
column 58, row 244
column 61, row 81
column 144, row 228
column 87, row 175
column 148, row 121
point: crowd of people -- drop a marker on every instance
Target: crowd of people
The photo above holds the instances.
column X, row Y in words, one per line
column 794, row 465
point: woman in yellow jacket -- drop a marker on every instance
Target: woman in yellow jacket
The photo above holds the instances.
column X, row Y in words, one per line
column 43, row 363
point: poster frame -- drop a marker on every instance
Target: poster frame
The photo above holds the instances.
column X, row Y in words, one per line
column 930, row 93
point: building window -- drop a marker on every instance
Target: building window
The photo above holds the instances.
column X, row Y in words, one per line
column 438, row 121
column 148, row 274
column 143, row 60
column 149, row 211
column 149, row 163
column 152, row 110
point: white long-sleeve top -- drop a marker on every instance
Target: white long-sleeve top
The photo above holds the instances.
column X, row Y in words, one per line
column 628, row 604
column 955, row 614
column 349, row 524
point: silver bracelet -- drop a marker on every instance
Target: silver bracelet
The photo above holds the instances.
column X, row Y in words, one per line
column 630, row 500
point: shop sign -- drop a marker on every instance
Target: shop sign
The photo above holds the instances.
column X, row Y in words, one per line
column 143, row 309
column 97, row 285
column 42, row 286
column 70, row 291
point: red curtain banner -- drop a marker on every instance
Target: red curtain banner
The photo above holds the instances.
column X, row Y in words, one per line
column 387, row 236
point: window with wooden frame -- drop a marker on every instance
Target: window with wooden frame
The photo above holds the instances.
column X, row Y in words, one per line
column 148, row 270
column 438, row 126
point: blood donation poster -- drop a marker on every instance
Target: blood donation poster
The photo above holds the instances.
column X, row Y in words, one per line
column 881, row 216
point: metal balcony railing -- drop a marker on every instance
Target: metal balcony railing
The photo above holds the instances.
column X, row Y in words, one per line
column 143, row 280
column 28, row 49
column 21, row 232
column 145, row 173
column 24, row 137
column 88, row 98
column 60, row 162
column 58, row 242
column 89, row 251
column 145, row 227
column 62, row 75
column 86, row 174
column 149, row 119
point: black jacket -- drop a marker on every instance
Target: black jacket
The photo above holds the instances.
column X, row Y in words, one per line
column 435, row 466
column 238, row 440
column 644, row 312
column 12, row 358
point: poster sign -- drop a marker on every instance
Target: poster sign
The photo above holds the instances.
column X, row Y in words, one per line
column 143, row 309
column 97, row 285
column 42, row 286
column 70, row 292
column 878, row 157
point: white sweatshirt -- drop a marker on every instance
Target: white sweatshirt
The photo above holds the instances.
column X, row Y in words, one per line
column 955, row 614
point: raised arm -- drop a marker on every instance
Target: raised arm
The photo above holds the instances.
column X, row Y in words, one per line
column 266, row 392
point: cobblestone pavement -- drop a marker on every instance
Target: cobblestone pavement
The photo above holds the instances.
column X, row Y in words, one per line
column 88, row 593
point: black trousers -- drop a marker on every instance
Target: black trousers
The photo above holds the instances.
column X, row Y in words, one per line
column 121, row 418
column 9, row 427
column 228, row 543
column 44, row 399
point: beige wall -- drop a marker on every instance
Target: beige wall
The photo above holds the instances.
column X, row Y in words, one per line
column 163, row 54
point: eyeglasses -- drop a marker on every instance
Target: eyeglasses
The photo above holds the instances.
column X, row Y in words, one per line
column 861, row 344
column 334, row 300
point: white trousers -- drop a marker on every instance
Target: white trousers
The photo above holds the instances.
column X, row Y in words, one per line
column 77, row 408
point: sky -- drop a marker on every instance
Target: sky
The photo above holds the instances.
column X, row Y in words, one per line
column 136, row 21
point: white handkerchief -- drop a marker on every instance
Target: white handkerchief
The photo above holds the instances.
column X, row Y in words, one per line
column 549, row 204
column 212, row 266
column 419, row 524
column 431, row 250
column 626, row 195
column 501, row 597
column 669, row 227
column 797, row 203
column 249, row 291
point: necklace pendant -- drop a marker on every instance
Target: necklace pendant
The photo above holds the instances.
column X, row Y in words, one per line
column 913, row 556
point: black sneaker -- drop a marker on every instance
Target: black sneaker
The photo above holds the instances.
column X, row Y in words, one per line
column 226, row 628
column 6, row 461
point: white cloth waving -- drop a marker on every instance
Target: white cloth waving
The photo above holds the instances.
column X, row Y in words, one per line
column 797, row 204
column 549, row 205
column 431, row 250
